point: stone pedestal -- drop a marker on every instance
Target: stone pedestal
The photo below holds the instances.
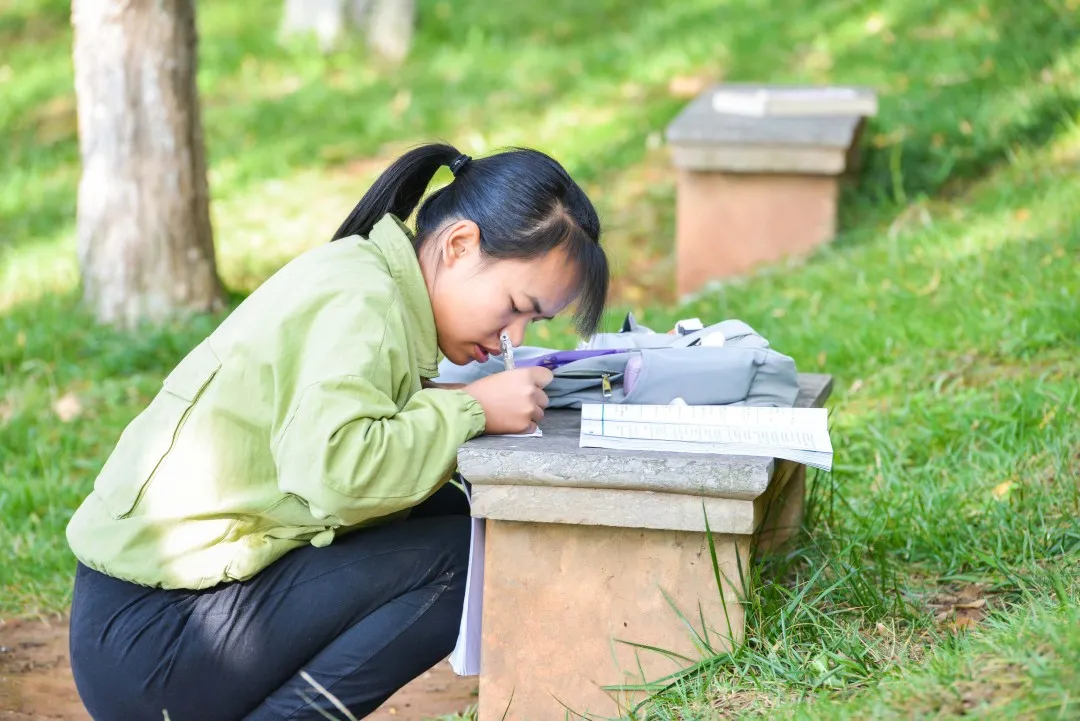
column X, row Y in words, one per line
column 752, row 190
column 595, row 558
column 563, row 605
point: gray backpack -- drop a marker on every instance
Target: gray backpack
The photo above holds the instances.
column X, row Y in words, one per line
column 723, row 364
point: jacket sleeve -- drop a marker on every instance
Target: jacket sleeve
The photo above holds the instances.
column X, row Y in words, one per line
column 350, row 453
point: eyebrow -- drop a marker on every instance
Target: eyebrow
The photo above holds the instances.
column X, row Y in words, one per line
column 536, row 307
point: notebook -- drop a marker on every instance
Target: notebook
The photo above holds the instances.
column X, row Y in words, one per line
column 465, row 658
column 795, row 434
column 763, row 102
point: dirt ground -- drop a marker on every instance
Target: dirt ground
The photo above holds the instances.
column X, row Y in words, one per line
column 36, row 683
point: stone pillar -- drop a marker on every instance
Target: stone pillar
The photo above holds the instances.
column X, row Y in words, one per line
column 564, row 603
column 753, row 190
column 595, row 557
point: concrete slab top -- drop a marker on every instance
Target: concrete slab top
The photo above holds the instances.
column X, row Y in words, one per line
column 556, row 460
column 700, row 124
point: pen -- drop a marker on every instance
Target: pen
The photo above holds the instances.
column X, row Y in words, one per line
column 507, row 352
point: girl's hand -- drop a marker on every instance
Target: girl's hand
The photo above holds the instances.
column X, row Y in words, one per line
column 513, row 401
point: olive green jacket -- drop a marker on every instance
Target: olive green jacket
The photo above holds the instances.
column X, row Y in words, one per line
column 301, row 417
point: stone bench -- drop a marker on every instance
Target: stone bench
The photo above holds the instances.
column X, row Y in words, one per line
column 752, row 190
column 583, row 544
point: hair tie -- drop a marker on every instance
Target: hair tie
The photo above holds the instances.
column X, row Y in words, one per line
column 458, row 163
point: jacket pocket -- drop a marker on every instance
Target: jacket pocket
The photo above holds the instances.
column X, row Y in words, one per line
column 147, row 439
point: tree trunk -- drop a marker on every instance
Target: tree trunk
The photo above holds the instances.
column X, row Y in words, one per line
column 388, row 24
column 390, row 28
column 146, row 247
column 328, row 19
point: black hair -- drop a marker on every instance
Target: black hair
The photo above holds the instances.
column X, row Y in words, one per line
column 523, row 201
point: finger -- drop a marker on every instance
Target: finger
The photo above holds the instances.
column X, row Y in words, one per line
column 537, row 414
column 540, row 398
column 541, row 376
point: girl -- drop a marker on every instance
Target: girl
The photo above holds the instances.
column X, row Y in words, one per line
column 280, row 505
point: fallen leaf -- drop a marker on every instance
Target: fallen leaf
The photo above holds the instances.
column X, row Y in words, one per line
column 821, row 359
column 973, row 605
column 937, row 140
column 962, row 624
column 20, row 339
column 1002, row 489
column 7, row 410
column 856, row 386
column 965, row 127
column 882, row 629
column 1022, row 214
column 969, row 593
column 1047, row 418
column 67, row 407
column 778, row 313
column 686, row 86
column 401, row 103
column 935, row 281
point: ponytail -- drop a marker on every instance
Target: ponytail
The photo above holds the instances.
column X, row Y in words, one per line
column 398, row 190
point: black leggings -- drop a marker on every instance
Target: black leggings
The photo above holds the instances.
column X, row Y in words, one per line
column 363, row 616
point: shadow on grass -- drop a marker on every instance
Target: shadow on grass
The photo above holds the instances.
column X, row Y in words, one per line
column 963, row 93
column 56, row 333
column 960, row 87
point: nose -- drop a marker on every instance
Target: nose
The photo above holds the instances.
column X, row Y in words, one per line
column 516, row 331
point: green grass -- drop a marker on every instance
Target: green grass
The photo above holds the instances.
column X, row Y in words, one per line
column 948, row 309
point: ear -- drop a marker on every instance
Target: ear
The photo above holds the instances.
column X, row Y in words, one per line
column 461, row 243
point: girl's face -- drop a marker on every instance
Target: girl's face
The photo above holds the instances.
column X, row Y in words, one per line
column 475, row 300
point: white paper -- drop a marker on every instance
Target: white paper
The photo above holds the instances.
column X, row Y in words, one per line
column 740, row 102
column 465, row 658
column 535, row 434
column 760, row 102
column 798, row 434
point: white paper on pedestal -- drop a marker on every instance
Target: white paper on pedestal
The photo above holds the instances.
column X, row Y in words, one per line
column 465, row 659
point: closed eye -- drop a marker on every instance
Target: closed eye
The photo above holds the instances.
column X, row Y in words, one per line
column 536, row 307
